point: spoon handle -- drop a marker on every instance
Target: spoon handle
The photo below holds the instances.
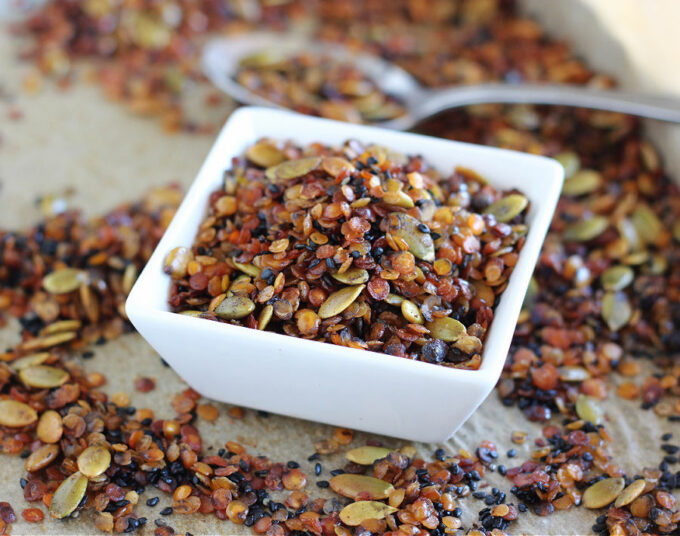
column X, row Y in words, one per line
column 661, row 107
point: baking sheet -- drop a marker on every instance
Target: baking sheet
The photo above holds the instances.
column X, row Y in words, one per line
column 74, row 140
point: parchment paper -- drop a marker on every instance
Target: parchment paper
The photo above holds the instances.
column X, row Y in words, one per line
column 76, row 140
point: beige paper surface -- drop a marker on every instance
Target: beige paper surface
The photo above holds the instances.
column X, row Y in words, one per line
column 76, row 140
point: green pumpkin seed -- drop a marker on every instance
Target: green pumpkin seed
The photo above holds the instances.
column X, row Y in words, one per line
column 94, row 460
column 405, row 227
column 589, row 409
column 446, row 328
column 657, row 265
column 617, row 277
column 532, row 292
column 352, row 276
column 394, row 299
column 586, row 230
column 250, row 269
column 42, row 457
column 337, row 302
column 15, row 414
column 29, row 361
column 631, row 492
column 356, row 513
column 262, row 58
column 292, row 169
column 60, row 326
column 195, row 314
column 63, row 281
column 367, row 455
column 411, row 312
column 508, row 207
column 265, row 154
column 636, row 259
column 616, row 310
column 334, row 165
column 129, row 278
column 265, row 316
column 570, row 162
column 583, row 182
column 68, row 495
column 646, row 223
column 41, row 343
column 573, row 374
column 235, row 307
column 349, row 485
column 603, row 492
column 177, row 261
column 43, row 376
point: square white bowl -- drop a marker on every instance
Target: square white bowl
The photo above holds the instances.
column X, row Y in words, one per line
column 320, row 381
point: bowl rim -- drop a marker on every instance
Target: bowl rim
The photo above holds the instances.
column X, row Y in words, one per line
column 138, row 305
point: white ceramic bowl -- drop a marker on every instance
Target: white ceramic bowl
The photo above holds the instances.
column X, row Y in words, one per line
column 324, row 382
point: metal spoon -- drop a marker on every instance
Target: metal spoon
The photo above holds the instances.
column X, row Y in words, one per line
column 222, row 57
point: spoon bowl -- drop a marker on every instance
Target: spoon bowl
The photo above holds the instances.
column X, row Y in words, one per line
column 222, row 59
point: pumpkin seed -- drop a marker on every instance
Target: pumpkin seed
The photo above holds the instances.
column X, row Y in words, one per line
column 617, row 277
column 68, row 495
column 398, row 198
column 411, row 312
column 41, row 458
column 265, row 316
column 292, row 169
column 191, row 313
column 532, row 292
column 582, row 182
column 394, row 299
column 405, row 227
column 29, row 361
column 367, row 455
column 646, row 223
column 50, row 427
column 334, row 165
column 337, row 302
column 43, row 376
column 588, row 409
column 129, row 278
column 603, row 492
column 60, row 326
column 570, row 162
column 176, row 262
column 446, row 328
column 15, row 414
column 586, row 230
column 352, row 276
column 573, row 374
column 265, row 154
column 63, row 281
column 508, row 207
column 94, row 460
column 616, row 310
column 349, row 485
column 235, row 307
column 356, row 513
column 636, row 259
column 42, row 343
column 250, row 269
column 631, row 492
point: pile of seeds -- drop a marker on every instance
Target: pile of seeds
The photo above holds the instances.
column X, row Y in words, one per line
column 357, row 246
column 317, row 85
column 604, row 293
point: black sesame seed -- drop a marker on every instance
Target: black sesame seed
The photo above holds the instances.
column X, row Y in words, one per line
column 323, row 483
column 293, row 465
column 153, row 501
column 317, row 469
column 166, row 511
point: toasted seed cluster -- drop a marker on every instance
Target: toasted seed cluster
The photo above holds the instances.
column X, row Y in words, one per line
column 357, row 246
column 317, row 85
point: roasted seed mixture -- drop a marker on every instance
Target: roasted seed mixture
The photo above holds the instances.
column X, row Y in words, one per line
column 357, row 246
column 317, row 85
column 605, row 295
